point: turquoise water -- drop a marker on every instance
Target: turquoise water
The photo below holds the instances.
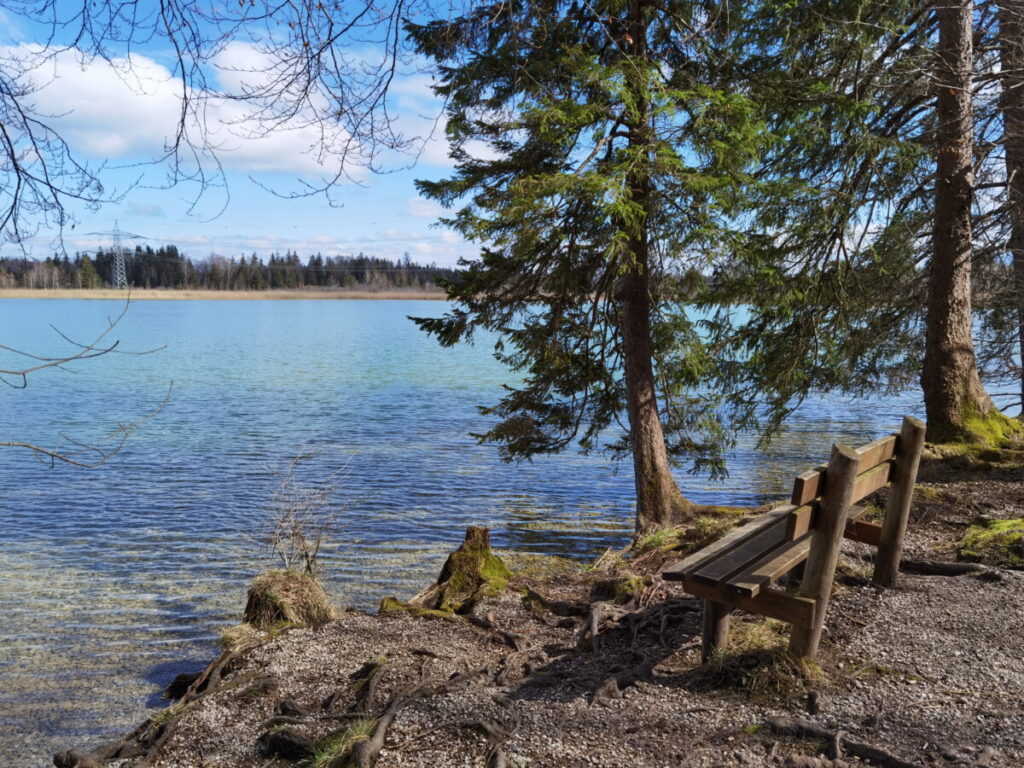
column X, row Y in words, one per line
column 114, row 579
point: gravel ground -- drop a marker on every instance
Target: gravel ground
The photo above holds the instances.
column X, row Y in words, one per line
column 928, row 673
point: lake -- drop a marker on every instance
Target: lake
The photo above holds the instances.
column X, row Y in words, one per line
column 113, row 580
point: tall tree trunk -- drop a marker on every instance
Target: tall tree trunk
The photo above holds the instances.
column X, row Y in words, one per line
column 952, row 388
column 1011, row 36
column 658, row 499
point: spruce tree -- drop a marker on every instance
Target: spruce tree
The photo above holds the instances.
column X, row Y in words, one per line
column 858, row 261
column 87, row 276
column 611, row 175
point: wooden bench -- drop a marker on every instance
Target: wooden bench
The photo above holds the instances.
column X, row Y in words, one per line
column 738, row 570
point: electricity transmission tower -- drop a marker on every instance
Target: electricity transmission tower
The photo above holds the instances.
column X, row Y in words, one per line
column 120, row 272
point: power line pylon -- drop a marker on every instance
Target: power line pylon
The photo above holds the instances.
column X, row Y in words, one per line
column 120, row 272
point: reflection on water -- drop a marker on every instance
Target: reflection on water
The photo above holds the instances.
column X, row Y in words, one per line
column 114, row 580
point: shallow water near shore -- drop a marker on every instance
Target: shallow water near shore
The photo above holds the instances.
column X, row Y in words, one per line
column 115, row 579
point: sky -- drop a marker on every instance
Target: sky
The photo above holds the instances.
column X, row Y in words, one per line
column 123, row 115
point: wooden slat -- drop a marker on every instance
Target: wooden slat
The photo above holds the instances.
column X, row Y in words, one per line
column 735, row 560
column 800, row 521
column 855, row 513
column 808, row 486
column 873, row 454
column 770, row 568
column 871, row 481
column 827, row 539
column 867, row 533
column 798, row 611
column 678, row 571
column 811, row 484
column 780, row 561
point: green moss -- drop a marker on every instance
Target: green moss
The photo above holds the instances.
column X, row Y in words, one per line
column 472, row 571
column 621, row 589
column 999, row 542
column 707, row 529
column 872, row 512
column 928, row 493
column 629, row 588
column 993, row 429
column 394, row 605
column 733, row 512
column 335, row 750
column 663, row 538
column 524, row 565
column 750, row 729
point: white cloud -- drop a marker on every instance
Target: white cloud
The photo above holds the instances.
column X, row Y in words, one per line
column 423, row 208
column 128, row 110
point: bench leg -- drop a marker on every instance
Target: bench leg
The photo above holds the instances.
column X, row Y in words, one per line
column 897, row 510
column 716, row 628
column 826, row 540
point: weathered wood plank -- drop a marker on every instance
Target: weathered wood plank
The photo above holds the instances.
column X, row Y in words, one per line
column 780, row 561
column 870, row 481
column 769, row 568
column 800, row 521
column 678, row 571
column 897, row 510
column 855, row 513
column 864, row 532
column 874, row 453
column 736, row 559
column 825, row 543
column 808, row 486
column 798, row 611
column 716, row 628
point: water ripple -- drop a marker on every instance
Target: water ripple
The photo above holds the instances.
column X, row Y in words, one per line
column 114, row 580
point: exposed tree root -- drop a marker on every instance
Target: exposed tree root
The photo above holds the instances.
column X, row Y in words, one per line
column 838, row 743
column 364, row 685
column 511, row 639
column 936, row 568
column 557, row 607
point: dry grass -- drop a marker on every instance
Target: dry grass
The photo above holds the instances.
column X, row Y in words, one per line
column 334, row 751
column 757, row 661
column 287, row 596
column 160, row 294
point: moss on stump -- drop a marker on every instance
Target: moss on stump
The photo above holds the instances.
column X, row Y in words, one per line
column 278, row 596
column 471, row 572
column 997, row 542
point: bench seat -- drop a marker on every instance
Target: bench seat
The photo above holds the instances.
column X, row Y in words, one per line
column 739, row 569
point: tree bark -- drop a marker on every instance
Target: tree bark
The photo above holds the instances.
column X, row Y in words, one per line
column 952, row 388
column 1011, row 36
column 659, row 501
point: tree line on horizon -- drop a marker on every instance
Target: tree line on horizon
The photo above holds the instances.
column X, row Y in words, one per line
column 167, row 268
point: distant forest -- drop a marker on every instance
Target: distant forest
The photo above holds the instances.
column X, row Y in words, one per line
column 167, row 267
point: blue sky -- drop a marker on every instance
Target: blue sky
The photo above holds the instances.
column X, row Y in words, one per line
column 122, row 116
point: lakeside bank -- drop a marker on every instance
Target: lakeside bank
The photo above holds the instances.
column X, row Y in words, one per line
column 923, row 674
column 160, row 294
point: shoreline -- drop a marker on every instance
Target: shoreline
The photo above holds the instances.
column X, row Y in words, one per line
column 161, row 294
column 513, row 670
